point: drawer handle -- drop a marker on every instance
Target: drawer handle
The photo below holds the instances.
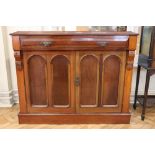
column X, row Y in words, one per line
column 102, row 43
column 46, row 43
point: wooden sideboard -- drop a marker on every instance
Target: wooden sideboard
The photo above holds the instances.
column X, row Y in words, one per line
column 74, row 77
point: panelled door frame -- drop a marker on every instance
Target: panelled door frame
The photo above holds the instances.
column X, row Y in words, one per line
column 106, row 108
column 78, row 59
column 48, row 55
column 122, row 56
column 74, row 57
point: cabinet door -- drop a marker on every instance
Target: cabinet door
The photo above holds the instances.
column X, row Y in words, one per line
column 87, row 72
column 113, row 68
column 61, row 81
column 101, row 78
column 49, row 81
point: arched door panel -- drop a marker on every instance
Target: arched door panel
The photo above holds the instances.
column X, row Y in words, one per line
column 101, row 76
column 49, row 80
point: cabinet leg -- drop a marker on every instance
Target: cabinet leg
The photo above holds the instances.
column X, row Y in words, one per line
column 137, row 84
column 145, row 94
column 142, row 117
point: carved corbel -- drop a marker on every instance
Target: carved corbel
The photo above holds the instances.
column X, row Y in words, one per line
column 131, row 53
column 17, row 52
column 18, row 59
column 130, row 59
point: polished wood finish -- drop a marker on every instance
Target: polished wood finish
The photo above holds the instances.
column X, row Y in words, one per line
column 87, row 42
column 74, row 77
column 100, row 90
column 87, row 91
column 20, row 73
column 49, row 85
column 115, row 118
column 128, row 80
column 60, row 83
column 36, row 75
column 113, row 79
column 72, row 33
column 9, row 120
column 89, row 80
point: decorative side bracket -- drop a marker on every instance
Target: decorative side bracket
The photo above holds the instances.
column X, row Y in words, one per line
column 17, row 52
column 19, row 59
column 130, row 59
column 19, row 65
column 131, row 53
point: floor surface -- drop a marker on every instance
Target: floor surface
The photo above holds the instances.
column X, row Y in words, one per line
column 9, row 120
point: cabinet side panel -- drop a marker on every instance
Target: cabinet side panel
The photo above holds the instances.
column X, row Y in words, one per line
column 111, row 73
column 21, row 90
column 60, row 69
column 128, row 80
column 20, row 73
column 37, row 80
column 89, row 70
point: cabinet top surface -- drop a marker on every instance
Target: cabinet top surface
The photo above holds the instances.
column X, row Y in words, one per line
column 65, row 33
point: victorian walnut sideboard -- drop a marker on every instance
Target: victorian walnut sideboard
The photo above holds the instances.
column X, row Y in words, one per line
column 74, row 77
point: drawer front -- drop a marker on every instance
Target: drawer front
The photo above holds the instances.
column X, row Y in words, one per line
column 74, row 43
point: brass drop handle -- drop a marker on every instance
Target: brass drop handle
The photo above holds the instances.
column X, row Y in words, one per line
column 77, row 81
column 102, row 43
column 46, row 43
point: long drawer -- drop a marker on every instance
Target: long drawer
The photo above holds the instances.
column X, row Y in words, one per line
column 74, row 43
